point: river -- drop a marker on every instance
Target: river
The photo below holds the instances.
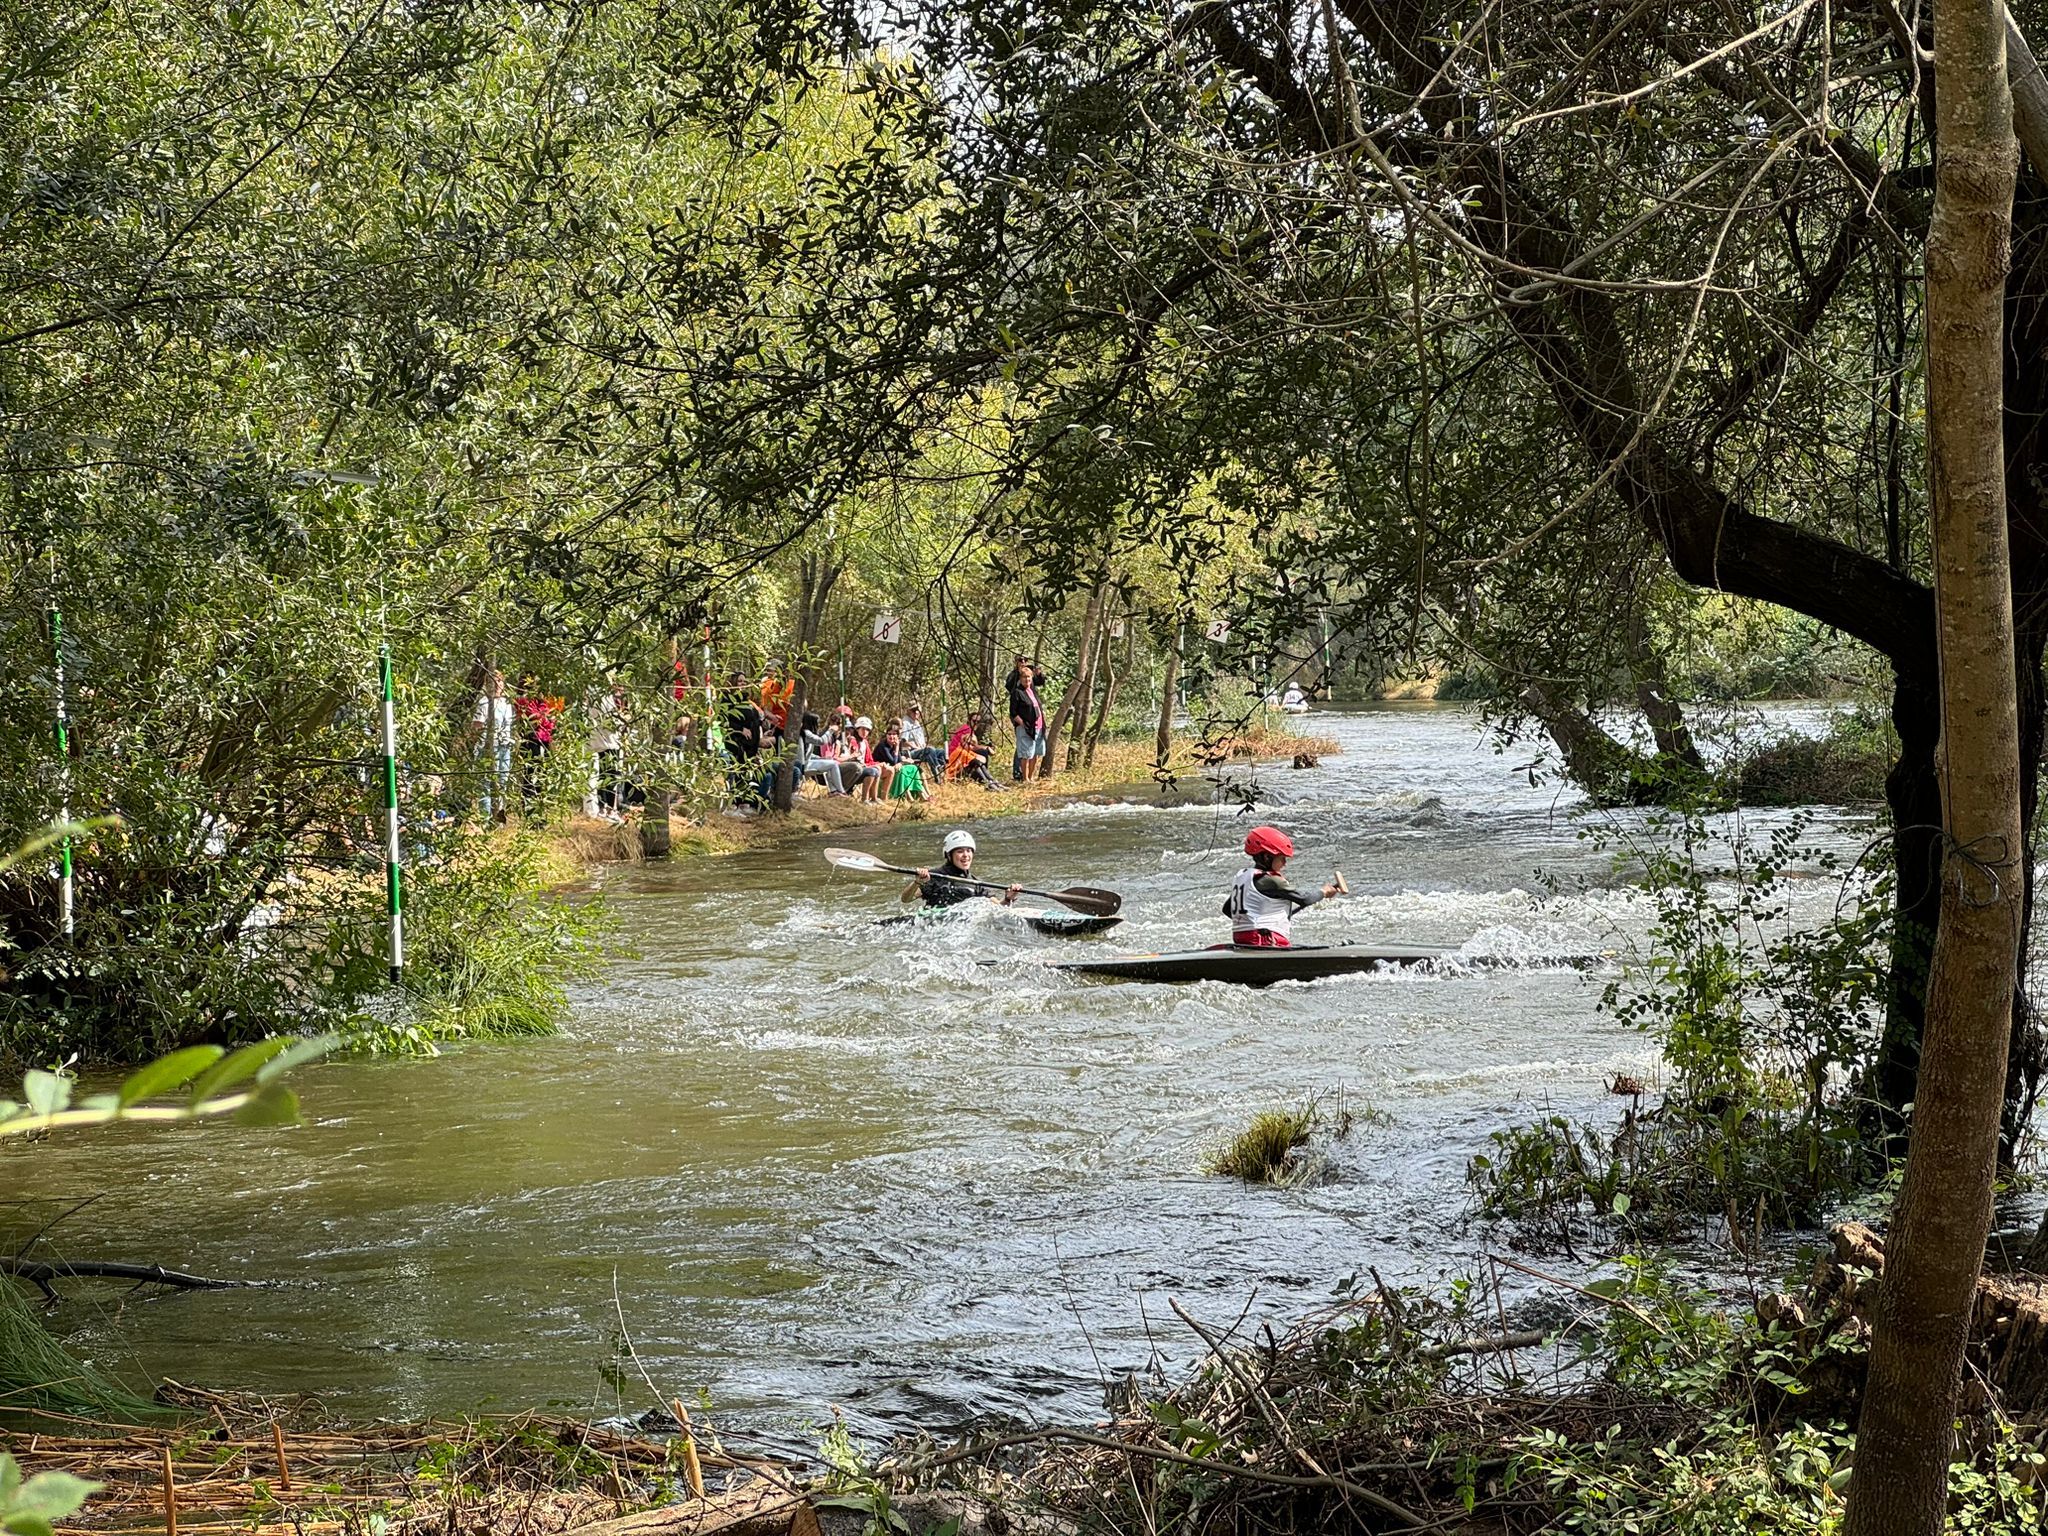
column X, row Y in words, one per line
column 811, row 1164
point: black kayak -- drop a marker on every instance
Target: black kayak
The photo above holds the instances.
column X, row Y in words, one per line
column 1059, row 924
column 1257, row 967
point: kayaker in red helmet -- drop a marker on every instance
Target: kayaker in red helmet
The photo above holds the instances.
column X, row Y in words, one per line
column 1261, row 903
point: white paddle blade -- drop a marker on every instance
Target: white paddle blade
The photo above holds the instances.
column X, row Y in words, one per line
column 852, row 858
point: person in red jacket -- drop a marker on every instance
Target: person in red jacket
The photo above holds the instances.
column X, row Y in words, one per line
column 1261, row 904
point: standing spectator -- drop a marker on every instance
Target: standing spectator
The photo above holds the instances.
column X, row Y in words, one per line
column 607, row 756
column 916, row 748
column 1027, row 719
column 746, row 731
column 679, row 687
column 494, row 715
column 538, row 715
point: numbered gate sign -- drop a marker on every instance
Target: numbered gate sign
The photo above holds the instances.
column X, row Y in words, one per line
column 1219, row 630
column 1116, row 629
column 888, row 629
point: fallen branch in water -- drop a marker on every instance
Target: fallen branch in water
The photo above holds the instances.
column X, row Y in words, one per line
column 40, row 1273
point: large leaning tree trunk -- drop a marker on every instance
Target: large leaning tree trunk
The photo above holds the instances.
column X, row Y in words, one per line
column 1579, row 342
column 1936, row 1245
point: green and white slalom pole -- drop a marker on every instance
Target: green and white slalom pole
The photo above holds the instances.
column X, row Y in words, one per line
column 64, row 887
column 394, row 881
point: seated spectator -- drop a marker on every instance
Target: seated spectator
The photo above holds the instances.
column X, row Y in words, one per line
column 901, row 778
column 916, row 749
column 967, row 754
column 857, row 760
column 820, row 758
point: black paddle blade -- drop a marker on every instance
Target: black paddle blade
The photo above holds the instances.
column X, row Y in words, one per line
column 1091, row 899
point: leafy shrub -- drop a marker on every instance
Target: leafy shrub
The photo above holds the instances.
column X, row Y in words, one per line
column 1847, row 764
column 490, row 948
column 1765, row 1033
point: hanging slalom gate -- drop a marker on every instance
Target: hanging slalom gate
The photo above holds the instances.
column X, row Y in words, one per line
column 64, row 885
column 394, row 879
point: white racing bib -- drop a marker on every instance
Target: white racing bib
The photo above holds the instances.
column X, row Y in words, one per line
column 1249, row 907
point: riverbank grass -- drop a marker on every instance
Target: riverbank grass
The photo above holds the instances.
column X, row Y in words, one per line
column 1123, row 771
column 1267, row 1150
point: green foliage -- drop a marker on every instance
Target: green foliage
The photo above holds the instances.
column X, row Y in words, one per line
column 490, row 949
column 1848, row 763
column 32, row 1507
column 1766, row 1032
column 244, row 1083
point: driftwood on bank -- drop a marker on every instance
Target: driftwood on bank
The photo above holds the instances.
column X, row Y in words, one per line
column 236, row 1463
column 2008, row 1346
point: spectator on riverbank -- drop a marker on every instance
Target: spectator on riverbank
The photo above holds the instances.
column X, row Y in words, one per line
column 820, row 756
column 901, row 778
column 858, row 759
column 539, row 714
column 605, row 795
column 745, row 736
column 967, row 755
column 1027, row 719
column 494, row 722
column 916, row 748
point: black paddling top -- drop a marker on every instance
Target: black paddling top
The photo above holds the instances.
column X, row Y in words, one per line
column 944, row 890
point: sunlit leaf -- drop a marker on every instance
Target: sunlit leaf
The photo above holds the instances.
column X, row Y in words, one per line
column 166, row 1073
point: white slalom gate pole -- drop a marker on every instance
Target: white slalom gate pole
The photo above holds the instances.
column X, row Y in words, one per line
column 394, row 884
column 64, row 886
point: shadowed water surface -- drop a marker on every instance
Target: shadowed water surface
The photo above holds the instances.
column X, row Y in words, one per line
column 813, row 1162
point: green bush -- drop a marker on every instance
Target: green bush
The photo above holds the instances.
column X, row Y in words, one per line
column 1846, row 765
column 1765, row 1034
column 490, row 949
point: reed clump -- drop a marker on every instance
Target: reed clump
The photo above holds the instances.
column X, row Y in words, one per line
column 1268, row 1150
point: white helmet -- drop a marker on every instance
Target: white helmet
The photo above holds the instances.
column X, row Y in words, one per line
column 956, row 841
column 863, row 724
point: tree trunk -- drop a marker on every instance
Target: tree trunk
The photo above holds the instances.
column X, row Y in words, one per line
column 1113, row 679
column 1084, row 700
column 1162, row 740
column 1603, row 767
column 816, row 576
column 1653, row 698
column 1936, row 1247
column 989, row 661
column 654, row 829
column 1091, row 616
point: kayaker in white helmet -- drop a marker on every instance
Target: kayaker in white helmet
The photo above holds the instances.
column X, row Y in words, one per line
column 948, row 885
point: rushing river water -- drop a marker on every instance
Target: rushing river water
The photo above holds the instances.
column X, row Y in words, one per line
column 812, row 1162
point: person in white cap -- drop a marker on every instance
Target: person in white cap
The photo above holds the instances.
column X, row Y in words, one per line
column 949, row 885
column 857, row 757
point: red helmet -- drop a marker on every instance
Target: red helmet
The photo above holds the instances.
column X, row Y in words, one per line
column 1268, row 840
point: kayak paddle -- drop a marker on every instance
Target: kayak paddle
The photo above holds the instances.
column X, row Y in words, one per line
column 1082, row 898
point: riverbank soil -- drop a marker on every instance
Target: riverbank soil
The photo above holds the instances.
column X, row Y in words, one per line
column 1628, row 1408
column 265, row 1467
column 1122, row 770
